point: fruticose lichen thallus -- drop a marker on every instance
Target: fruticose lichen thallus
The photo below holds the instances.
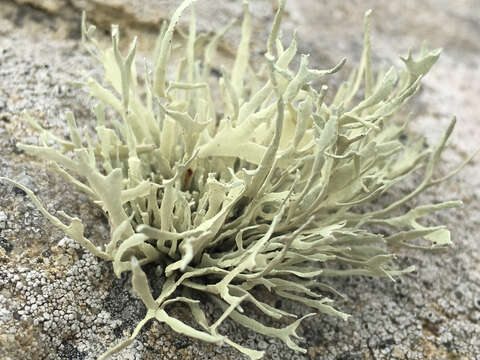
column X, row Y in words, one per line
column 262, row 194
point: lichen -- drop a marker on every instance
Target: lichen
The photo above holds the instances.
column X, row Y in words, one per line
column 260, row 189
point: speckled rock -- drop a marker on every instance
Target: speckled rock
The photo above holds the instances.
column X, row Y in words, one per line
column 59, row 302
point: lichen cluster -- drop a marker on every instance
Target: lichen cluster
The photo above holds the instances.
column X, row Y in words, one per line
column 261, row 188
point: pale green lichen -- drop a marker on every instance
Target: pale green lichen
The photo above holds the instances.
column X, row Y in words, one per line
column 262, row 195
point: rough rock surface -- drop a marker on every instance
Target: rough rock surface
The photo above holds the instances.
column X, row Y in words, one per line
column 59, row 302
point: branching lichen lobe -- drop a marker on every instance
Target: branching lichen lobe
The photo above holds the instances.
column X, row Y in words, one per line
column 263, row 195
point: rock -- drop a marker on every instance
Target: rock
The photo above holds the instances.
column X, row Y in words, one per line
column 52, row 6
